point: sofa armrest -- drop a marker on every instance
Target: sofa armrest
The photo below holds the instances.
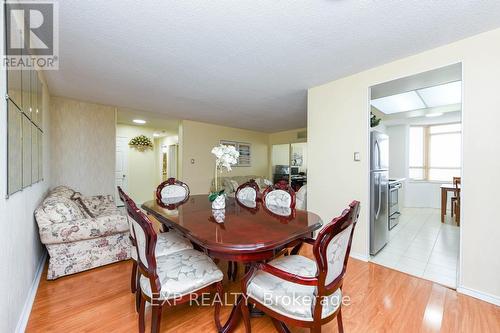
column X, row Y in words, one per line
column 82, row 229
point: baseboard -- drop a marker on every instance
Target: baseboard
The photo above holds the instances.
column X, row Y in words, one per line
column 28, row 304
column 358, row 256
column 479, row 295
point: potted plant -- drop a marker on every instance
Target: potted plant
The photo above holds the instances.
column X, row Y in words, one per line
column 225, row 157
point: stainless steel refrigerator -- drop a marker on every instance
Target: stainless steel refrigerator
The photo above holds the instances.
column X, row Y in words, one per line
column 379, row 191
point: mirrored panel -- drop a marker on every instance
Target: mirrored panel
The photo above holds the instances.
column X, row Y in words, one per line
column 26, row 151
column 34, row 154
column 14, row 150
column 39, row 103
column 33, row 96
column 40, row 155
column 26, row 93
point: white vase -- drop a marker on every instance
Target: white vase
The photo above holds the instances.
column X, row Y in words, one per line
column 219, row 202
column 219, row 215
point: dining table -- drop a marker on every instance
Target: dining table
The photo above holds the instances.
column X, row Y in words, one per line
column 239, row 233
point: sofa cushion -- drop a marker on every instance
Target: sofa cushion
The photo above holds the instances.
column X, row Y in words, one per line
column 62, row 191
column 99, row 205
column 58, row 209
column 81, row 229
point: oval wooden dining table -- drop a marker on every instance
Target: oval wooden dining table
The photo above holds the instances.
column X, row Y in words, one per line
column 243, row 234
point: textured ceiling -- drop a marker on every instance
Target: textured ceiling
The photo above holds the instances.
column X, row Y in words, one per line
column 243, row 63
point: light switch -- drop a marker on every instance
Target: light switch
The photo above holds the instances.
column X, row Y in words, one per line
column 357, row 158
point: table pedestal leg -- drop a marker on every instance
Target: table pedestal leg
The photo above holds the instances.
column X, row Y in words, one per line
column 234, row 317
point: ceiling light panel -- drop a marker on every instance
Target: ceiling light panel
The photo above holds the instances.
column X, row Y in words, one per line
column 398, row 103
column 445, row 94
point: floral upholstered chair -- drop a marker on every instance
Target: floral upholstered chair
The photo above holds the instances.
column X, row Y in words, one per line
column 170, row 279
column 81, row 232
column 299, row 291
column 166, row 243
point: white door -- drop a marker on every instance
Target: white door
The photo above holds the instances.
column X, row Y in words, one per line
column 172, row 161
column 121, row 166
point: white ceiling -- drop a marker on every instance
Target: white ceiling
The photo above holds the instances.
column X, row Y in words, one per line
column 157, row 121
column 242, row 63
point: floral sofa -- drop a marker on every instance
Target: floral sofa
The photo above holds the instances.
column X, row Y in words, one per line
column 230, row 184
column 81, row 232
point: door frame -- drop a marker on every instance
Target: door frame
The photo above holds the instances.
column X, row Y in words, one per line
column 125, row 162
column 368, row 146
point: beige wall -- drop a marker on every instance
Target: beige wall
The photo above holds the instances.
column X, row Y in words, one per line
column 83, row 145
column 197, row 140
column 338, row 126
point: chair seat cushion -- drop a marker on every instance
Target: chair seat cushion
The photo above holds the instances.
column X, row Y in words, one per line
column 287, row 298
column 183, row 272
column 167, row 243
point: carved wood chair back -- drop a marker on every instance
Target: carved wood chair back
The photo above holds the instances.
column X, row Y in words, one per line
column 280, row 194
column 172, row 191
column 248, row 191
column 145, row 239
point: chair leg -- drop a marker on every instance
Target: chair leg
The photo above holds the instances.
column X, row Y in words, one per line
column 229, row 270
column 339, row 321
column 235, row 271
column 142, row 310
column 156, row 318
column 133, row 278
column 452, row 208
column 138, row 295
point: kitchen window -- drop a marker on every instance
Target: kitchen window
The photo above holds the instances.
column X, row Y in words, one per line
column 435, row 152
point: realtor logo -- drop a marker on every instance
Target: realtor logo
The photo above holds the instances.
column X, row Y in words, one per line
column 32, row 35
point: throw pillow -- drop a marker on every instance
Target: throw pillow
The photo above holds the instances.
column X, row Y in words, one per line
column 61, row 209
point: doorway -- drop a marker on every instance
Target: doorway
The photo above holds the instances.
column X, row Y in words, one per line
column 415, row 213
column 289, row 162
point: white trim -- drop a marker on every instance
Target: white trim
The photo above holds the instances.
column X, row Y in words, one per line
column 479, row 295
column 359, row 256
column 28, row 304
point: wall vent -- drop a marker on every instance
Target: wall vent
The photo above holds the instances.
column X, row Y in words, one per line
column 302, row 135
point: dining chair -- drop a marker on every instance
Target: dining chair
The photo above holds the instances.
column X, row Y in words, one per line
column 301, row 198
column 248, row 192
column 298, row 291
column 172, row 191
column 247, row 195
column 166, row 243
column 280, row 194
column 455, row 200
column 170, row 279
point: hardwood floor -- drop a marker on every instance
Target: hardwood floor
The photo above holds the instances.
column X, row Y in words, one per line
column 382, row 300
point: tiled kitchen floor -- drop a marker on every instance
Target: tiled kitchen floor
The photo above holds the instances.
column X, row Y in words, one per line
column 422, row 246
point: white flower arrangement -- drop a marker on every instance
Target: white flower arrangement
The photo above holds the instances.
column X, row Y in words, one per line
column 226, row 156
